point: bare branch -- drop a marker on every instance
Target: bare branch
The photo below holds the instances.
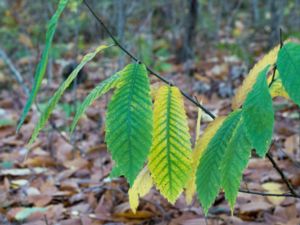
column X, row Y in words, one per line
column 268, row 194
column 283, row 177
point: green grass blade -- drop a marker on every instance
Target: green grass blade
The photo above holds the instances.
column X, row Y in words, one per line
column 97, row 92
column 53, row 101
column 41, row 68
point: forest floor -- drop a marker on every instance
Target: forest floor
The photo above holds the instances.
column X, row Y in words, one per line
column 58, row 181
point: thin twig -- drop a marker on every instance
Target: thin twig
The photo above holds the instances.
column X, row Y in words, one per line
column 268, row 194
column 138, row 61
column 273, row 75
column 283, row 177
column 280, row 38
column 294, row 194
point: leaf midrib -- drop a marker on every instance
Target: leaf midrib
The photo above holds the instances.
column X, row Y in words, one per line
column 132, row 85
column 168, row 137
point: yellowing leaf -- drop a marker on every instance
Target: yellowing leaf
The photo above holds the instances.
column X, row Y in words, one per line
column 275, row 188
column 141, row 186
column 277, row 89
column 250, row 80
column 197, row 153
column 170, row 155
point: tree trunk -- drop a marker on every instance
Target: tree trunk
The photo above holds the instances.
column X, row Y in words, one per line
column 189, row 32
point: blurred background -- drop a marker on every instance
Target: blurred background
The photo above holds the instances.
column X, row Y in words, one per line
column 206, row 47
column 163, row 34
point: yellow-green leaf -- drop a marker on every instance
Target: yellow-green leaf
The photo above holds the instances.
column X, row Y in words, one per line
column 170, row 155
column 141, row 186
column 277, row 89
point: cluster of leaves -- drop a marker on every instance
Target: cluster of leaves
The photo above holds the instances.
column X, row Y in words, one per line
column 139, row 132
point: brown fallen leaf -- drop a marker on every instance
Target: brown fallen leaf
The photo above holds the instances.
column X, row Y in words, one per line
column 142, row 214
column 253, row 210
column 40, row 161
column 40, row 200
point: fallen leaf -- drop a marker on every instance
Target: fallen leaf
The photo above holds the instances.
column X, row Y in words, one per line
column 22, row 172
column 273, row 187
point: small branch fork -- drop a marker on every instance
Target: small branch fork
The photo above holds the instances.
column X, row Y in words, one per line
column 117, row 43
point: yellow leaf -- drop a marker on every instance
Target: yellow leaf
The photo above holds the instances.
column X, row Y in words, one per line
column 141, row 186
column 170, row 154
column 243, row 90
column 198, row 152
column 277, row 89
column 273, row 187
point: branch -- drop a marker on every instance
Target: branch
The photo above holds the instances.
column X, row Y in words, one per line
column 283, row 177
column 268, row 194
column 116, row 42
column 138, row 61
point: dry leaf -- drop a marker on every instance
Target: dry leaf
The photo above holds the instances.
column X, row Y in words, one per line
column 273, row 187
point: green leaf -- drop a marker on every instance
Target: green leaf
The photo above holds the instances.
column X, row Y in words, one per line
column 258, row 114
column 55, row 98
column 199, row 148
column 288, row 64
column 115, row 172
column 208, row 177
column 41, row 68
column 170, row 157
column 234, row 162
column 129, row 121
column 97, row 92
